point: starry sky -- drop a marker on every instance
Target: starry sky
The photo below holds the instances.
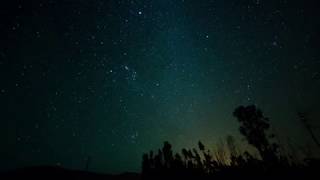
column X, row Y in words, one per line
column 112, row 79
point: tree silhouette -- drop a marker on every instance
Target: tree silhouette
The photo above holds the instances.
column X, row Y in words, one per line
column 254, row 126
column 146, row 164
column 227, row 161
column 167, row 154
column 201, row 146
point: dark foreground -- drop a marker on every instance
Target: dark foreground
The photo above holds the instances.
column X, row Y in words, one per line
column 49, row 172
column 61, row 173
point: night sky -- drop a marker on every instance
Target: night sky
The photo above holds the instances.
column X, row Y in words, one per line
column 112, row 79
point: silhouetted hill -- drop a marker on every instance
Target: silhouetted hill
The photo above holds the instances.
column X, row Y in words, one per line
column 52, row 172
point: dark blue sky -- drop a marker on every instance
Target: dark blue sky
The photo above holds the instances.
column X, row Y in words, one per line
column 114, row 79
